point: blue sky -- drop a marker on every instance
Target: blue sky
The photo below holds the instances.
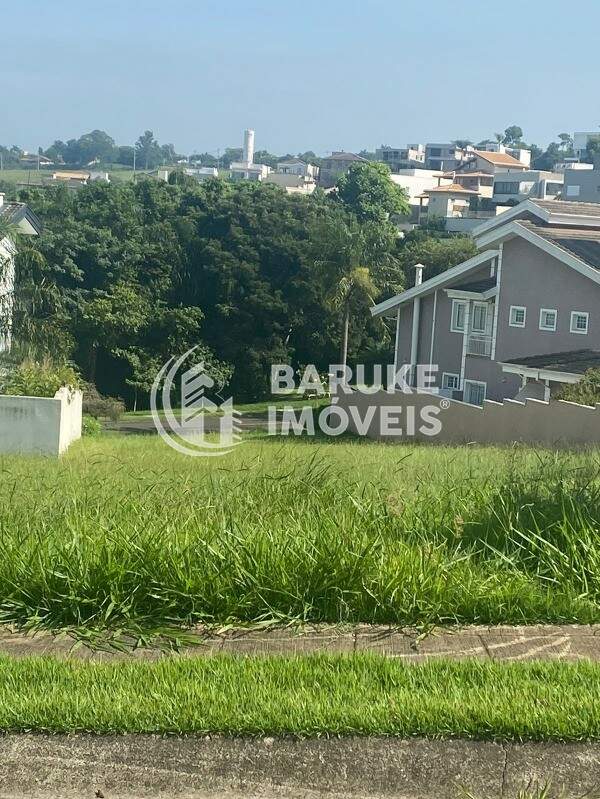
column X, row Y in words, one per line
column 320, row 75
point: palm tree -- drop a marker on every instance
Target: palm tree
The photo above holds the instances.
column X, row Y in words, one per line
column 354, row 290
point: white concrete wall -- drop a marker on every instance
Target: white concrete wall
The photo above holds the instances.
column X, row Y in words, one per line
column 40, row 425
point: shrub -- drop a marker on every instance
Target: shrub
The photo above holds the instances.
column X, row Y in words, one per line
column 97, row 405
column 33, row 378
column 586, row 392
column 90, row 426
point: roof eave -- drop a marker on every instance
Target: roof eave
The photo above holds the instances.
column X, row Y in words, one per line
column 383, row 308
column 513, row 229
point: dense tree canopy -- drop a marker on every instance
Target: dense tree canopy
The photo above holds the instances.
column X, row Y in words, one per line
column 435, row 249
column 367, row 191
column 134, row 273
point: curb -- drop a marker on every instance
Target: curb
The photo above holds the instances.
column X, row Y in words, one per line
column 536, row 642
column 140, row 766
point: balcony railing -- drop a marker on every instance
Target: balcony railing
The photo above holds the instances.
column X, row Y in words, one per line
column 478, row 344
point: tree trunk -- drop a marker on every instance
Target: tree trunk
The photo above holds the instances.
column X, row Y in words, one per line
column 135, row 399
column 344, row 352
column 93, row 360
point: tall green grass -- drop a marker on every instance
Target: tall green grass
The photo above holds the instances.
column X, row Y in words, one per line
column 362, row 694
column 124, row 533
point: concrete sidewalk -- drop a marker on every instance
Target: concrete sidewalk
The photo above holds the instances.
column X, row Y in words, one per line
column 232, row 768
column 569, row 642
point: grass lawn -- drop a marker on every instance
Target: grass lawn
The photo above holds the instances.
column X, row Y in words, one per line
column 320, row 694
column 122, row 532
column 254, row 407
column 117, row 174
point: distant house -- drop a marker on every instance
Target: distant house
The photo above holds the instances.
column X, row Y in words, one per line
column 490, row 162
column 298, row 167
column 295, row 176
column 34, row 161
column 582, row 185
column 415, row 182
column 336, row 164
column 23, row 218
column 73, row 176
column 445, row 201
column 519, row 153
column 512, row 187
column 445, row 157
column 519, row 319
column 581, row 140
column 410, row 157
column 480, row 182
column 199, row 172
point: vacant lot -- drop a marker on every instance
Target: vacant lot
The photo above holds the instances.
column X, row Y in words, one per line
column 123, row 532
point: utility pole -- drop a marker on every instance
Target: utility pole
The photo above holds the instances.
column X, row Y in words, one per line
column 134, row 160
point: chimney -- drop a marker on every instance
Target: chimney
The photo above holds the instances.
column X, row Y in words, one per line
column 248, row 146
column 418, row 274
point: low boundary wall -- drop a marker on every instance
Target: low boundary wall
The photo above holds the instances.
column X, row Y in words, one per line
column 40, row 425
column 412, row 416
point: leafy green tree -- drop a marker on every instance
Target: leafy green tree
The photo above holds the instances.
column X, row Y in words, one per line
column 96, row 145
column 593, row 147
column 368, row 191
column 566, row 142
column 124, row 155
column 148, row 150
column 309, row 157
column 265, row 157
column 437, row 250
column 585, row 392
column 131, row 274
column 513, row 135
column 549, row 157
column 231, row 154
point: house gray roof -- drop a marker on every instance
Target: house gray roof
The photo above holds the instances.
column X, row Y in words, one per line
column 573, row 362
column 583, row 243
column 477, row 285
column 568, row 207
column 342, row 156
column 17, row 212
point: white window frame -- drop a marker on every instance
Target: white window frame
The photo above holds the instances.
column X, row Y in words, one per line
column 548, row 310
column 572, row 327
column 474, row 383
column 453, row 328
column 450, row 374
column 510, row 315
column 483, row 305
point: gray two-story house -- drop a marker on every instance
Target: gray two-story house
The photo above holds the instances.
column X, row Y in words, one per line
column 521, row 318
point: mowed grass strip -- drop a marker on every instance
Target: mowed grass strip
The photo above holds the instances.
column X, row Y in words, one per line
column 321, row 694
column 124, row 533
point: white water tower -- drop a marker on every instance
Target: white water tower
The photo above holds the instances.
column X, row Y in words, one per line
column 249, row 146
